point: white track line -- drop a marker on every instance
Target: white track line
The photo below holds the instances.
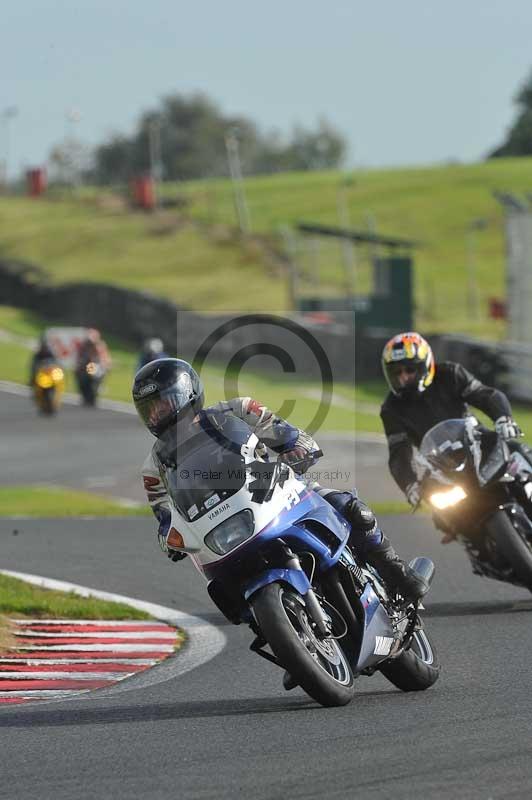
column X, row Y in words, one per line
column 42, row 662
column 98, row 622
column 55, row 676
column 60, row 694
column 128, row 408
column 71, row 399
column 98, row 648
column 160, row 636
column 203, row 644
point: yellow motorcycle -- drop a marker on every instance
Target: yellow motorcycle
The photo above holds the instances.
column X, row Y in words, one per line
column 48, row 387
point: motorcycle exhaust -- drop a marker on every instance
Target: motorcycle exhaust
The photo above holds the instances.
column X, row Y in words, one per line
column 424, row 567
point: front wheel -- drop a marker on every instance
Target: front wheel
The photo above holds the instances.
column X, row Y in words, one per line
column 89, row 392
column 417, row 668
column 49, row 405
column 319, row 666
column 513, row 548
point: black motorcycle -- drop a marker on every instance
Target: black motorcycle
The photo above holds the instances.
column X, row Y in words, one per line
column 89, row 376
column 480, row 490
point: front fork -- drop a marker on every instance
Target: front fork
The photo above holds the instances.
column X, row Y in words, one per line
column 321, row 622
column 292, row 574
column 314, row 609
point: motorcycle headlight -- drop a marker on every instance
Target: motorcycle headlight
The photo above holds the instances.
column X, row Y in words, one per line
column 230, row 533
column 450, row 497
column 57, row 374
column 43, row 380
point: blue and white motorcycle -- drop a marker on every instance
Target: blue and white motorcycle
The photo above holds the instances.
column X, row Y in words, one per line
column 276, row 557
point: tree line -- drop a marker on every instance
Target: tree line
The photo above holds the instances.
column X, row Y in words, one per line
column 186, row 136
column 518, row 141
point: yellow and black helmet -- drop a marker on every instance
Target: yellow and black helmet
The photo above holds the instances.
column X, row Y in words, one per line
column 413, row 352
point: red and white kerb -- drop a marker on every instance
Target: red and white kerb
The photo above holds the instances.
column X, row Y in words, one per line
column 58, row 658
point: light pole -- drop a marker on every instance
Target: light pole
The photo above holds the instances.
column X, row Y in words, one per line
column 472, row 284
column 345, row 222
column 154, row 146
column 72, row 117
column 235, row 170
column 9, row 113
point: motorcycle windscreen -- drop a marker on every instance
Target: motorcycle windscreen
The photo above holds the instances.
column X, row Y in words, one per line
column 445, row 445
column 203, row 465
column 494, row 456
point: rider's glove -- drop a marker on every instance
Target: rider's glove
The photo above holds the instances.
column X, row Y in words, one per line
column 176, row 555
column 413, row 494
column 507, row 428
column 298, row 458
column 164, row 517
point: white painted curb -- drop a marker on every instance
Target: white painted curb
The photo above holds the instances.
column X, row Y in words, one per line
column 71, row 399
column 128, row 408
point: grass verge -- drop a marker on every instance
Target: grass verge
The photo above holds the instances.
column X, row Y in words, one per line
column 389, row 507
column 19, row 597
column 58, row 502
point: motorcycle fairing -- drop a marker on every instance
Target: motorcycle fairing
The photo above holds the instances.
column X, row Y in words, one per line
column 293, row 577
column 295, row 527
column 308, row 517
column 377, row 637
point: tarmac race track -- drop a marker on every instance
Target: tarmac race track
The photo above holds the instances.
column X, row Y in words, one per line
column 228, row 729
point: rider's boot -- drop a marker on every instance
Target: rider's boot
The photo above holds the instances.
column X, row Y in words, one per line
column 289, row 682
column 398, row 576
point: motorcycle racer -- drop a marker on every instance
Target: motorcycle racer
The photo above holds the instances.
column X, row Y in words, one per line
column 168, row 395
column 423, row 394
column 44, row 352
column 93, row 348
column 152, row 349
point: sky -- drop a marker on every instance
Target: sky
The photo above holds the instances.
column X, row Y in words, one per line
column 409, row 83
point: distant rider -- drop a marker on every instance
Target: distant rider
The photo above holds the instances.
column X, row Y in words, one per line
column 422, row 395
column 169, row 393
column 44, row 352
column 152, row 349
column 93, row 348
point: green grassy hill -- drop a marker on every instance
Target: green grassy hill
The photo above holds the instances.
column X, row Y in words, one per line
column 434, row 205
column 193, row 258
column 86, row 238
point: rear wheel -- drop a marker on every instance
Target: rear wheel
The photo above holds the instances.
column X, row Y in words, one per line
column 48, row 402
column 89, row 392
column 417, row 668
column 512, row 547
column 319, row 666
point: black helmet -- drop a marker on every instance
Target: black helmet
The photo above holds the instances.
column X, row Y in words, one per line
column 166, row 390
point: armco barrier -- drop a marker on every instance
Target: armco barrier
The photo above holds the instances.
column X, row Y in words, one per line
column 134, row 316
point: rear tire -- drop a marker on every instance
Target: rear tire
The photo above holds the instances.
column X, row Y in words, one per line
column 417, row 668
column 320, row 667
column 48, row 402
column 89, row 394
column 512, row 547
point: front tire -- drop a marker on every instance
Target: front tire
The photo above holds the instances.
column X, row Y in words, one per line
column 319, row 666
column 417, row 668
column 512, row 547
column 48, row 402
